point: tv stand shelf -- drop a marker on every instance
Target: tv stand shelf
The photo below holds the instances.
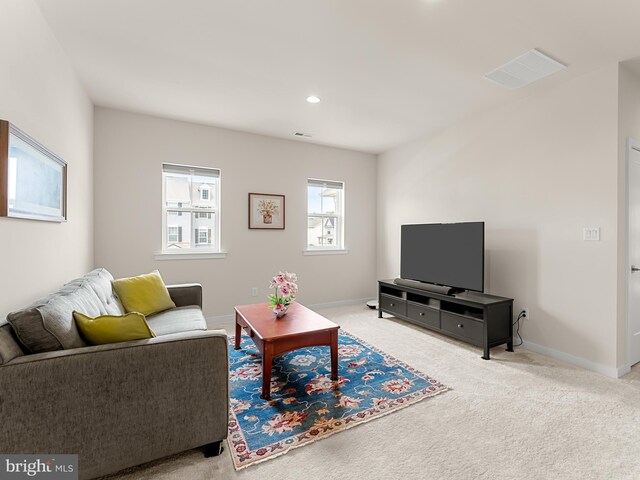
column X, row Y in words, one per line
column 477, row 318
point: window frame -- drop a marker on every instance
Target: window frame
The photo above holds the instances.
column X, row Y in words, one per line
column 339, row 215
column 193, row 212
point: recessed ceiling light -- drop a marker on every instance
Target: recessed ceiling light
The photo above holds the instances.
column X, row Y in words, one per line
column 313, row 99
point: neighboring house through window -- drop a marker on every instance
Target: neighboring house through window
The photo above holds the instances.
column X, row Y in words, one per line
column 190, row 208
column 325, row 215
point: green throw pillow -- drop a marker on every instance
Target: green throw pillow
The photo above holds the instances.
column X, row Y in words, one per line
column 113, row 328
column 146, row 294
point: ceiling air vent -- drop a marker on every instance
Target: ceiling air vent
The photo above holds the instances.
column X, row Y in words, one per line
column 525, row 69
column 300, row 134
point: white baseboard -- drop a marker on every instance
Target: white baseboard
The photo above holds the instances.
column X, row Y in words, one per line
column 623, row 370
column 339, row 303
column 218, row 321
column 612, row 372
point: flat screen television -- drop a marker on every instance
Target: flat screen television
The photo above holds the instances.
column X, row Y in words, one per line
column 449, row 254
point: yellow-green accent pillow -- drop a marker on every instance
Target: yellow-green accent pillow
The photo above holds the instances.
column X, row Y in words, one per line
column 146, row 294
column 113, row 328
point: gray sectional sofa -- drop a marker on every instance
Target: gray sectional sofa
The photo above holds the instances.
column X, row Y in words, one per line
column 115, row 405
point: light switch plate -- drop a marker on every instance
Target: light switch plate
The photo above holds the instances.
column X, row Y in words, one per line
column 591, row 234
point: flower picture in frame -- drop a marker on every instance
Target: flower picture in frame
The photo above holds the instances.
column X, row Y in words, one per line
column 266, row 211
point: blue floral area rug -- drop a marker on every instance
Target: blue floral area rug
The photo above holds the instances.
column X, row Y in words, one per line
column 306, row 405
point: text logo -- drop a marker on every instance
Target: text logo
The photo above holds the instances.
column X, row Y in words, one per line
column 50, row 467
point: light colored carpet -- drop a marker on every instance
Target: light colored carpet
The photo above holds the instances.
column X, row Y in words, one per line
column 518, row 416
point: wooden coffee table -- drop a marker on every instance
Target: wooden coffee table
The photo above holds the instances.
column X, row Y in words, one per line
column 299, row 328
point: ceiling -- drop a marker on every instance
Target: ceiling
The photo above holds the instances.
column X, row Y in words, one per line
column 387, row 71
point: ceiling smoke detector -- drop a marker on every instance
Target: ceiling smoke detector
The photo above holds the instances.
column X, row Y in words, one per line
column 300, row 134
column 525, row 69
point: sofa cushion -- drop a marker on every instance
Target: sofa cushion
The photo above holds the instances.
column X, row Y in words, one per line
column 100, row 282
column 145, row 294
column 180, row 319
column 9, row 348
column 48, row 323
column 112, row 328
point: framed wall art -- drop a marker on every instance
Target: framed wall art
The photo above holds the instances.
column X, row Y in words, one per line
column 266, row 211
column 33, row 180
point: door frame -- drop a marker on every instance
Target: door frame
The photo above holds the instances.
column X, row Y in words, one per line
column 632, row 144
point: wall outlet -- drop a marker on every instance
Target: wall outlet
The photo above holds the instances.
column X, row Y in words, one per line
column 525, row 316
column 254, row 292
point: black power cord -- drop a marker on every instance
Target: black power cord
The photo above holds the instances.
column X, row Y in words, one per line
column 517, row 325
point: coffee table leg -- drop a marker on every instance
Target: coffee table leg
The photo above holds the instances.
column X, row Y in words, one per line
column 267, row 360
column 334, row 355
column 238, row 333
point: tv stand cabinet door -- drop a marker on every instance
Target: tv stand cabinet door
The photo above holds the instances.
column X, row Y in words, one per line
column 423, row 315
column 463, row 327
column 393, row 305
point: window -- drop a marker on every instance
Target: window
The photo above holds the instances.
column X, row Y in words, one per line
column 325, row 215
column 174, row 234
column 191, row 217
column 203, row 234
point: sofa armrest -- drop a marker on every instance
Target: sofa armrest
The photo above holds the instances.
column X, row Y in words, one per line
column 118, row 405
column 186, row 294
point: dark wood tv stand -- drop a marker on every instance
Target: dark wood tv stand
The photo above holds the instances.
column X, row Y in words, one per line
column 477, row 318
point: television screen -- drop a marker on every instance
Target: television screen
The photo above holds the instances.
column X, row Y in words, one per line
column 450, row 254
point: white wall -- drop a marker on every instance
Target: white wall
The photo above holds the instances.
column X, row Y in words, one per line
column 40, row 94
column 628, row 126
column 129, row 151
column 536, row 171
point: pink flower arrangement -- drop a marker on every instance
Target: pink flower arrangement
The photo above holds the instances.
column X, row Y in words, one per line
column 285, row 292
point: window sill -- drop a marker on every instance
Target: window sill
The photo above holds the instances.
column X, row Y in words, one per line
column 337, row 251
column 189, row 255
